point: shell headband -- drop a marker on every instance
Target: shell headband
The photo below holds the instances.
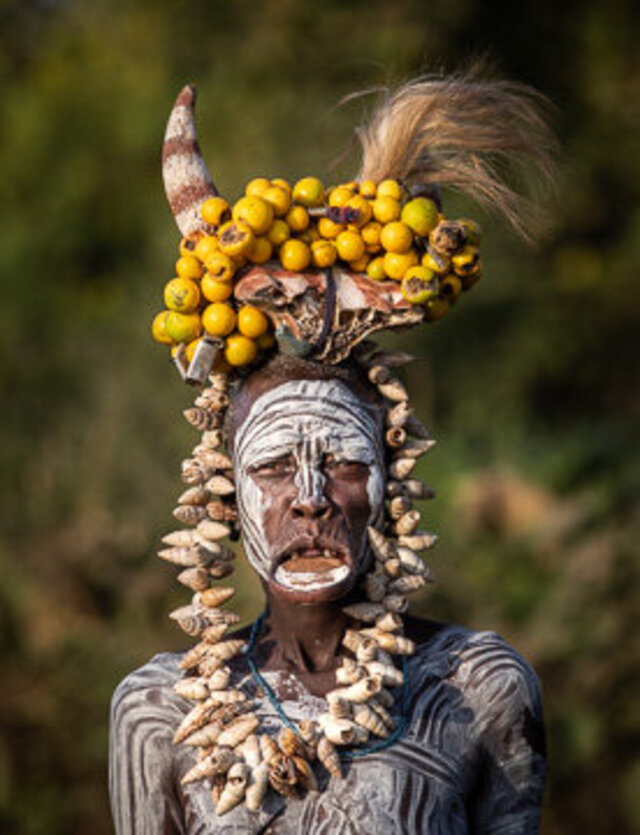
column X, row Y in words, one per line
column 312, row 272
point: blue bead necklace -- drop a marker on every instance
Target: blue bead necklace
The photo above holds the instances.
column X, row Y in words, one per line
column 273, row 699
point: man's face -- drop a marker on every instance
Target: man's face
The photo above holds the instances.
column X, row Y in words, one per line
column 310, row 477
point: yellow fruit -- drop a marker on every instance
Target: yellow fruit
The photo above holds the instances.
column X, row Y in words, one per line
column 436, row 309
column 191, row 348
column 278, row 232
column 278, row 199
column 220, row 267
column 282, row 183
column 360, row 265
column 465, row 261
column 260, row 251
column 323, row 254
column 297, row 218
column 255, row 212
column 158, row 328
column 329, row 229
column 252, row 322
column 188, row 266
column 219, row 319
column 396, row 237
column 182, row 294
column 214, row 210
column 240, row 350
column 339, row 196
column 255, row 187
column 309, row 235
column 189, row 242
column 205, row 247
column 239, row 261
column 435, row 261
column 215, row 290
column 469, row 280
column 295, row 255
column 419, row 285
column 266, row 341
column 309, row 192
column 183, row 327
column 235, row 237
column 368, row 189
column 371, row 234
column 389, row 188
column 473, row 231
column 350, row 245
column 397, row 263
column 375, row 269
column 450, row 288
column 386, row 209
column 362, row 206
column 421, row 215
column 352, row 185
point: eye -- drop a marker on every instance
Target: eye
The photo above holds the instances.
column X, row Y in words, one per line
column 278, row 468
column 344, row 469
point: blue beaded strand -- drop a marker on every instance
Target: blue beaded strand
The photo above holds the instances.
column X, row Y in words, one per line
column 273, row 699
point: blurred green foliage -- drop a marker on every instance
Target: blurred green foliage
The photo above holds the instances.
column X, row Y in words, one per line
column 528, row 386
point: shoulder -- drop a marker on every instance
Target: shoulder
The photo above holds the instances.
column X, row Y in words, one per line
column 151, row 683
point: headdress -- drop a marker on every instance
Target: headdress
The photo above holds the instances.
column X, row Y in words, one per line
column 313, row 273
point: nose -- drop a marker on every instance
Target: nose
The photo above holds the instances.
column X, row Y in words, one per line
column 311, row 507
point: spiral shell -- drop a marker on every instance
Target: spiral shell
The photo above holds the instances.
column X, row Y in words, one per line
column 195, row 719
column 341, row 731
column 419, row 541
column 396, row 644
column 396, row 603
column 417, row 489
column 381, row 546
column 220, row 570
column 408, row 584
column 392, row 359
column 398, row 507
column 289, row 743
column 201, row 418
column 375, row 586
column 212, row 438
column 205, row 736
column 416, row 448
column 416, row 428
column 390, row 676
column 257, row 787
column 366, row 612
column 305, row 773
column 395, row 437
column 219, row 680
column 328, row 756
column 214, row 633
column 250, row 750
column 194, row 473
column 184, row 538
column 349, row 672
column 398, row 415
column 196, row 495
column 238, row 730
column 382, row 711
column 219, row 511
column 363, row 689
column 407, row 523
column 195, row 578
column 235, row 788
column 218, row 763
column 188, row 557
column 228, row 697
column 190, row 514
column 268, row 747
column 228, row 649
column 378, row 374
column 220, row 485
column 215, row 459
column 393, row 390
column 338, row 705
column 192, row 688
column 212, row 400
column 192, row 657
column 392, row 568
column 213, row 530
column 215, row 597
column 370, row 720
column 401, row 467
column 410, row 561
column 389, row 622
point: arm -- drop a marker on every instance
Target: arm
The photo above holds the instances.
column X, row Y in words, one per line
column 144, row 800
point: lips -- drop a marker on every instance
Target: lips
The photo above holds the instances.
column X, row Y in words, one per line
column 309, row 565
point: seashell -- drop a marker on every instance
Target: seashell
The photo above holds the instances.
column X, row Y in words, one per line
column 215, row 597
column 192, row 688
column 219, row 381
column 349, row 672
column 410, row 561
column 217, row 618
column 193, row 657
column 375, row 587
column 391, row 676
column 378, row 374
column 382, row 712
column 212, row 438
column 193, row 473
column 408, row 523
column 212, row 530
column 289, row 743
column 190, row 619
column 395, row 488
column 218, row 763
column 218, row 782
column 351, row 640
column 257, row 787
column 305, row 773
column 309, row 730
column 212, row 400
column 384, row 698
column 338, row 705
column 417, row 489
column 268, row 747
column 340, row 731
column 396, row 644
column 366, row 612
column 187, row 557
column 220, row 570
column 389, row 622
column 416, row 428
column 393, row 390
column 419, row 541
column 220, row 485
column 382, row 548
column 401, row 467
column 395, row 437
column 228, row 697
column 250, row 750
column 328, row 756
column 383, row 657
column 181, row 539
column 235, row 788
column 392, row 359
column 219, row 680
column 283, row 776
column 228, row 649
column 214, row 459
column 398, row 507
column 201, row 418
column 196, row 495
column 195, row 719
column 392, row 567
column 212, row 634
column 205, row 736
column 221, row 512
column 370, row 720
column 189, row 514
column 363, row 689
column 238, row 730
column 367, row 650
column 398, row 415
column 416, row 448
column 396, row 603
column 408, row 584
column 196, row 579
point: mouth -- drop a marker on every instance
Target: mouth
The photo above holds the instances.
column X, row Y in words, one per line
column 308, row 566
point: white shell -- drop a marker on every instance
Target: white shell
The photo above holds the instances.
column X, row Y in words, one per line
column 407, row 523
column 370, row 720
column 401, row 468
column 362, row 690
column 399, row 415
column 393, row 390
column 192, row 688
column 213, row 530
column 408, row 584
column 366, row 612
column 382, row 548
column 411, row 561
column 196, row 495
column 257, row 787
column 390, row 676
column 419, row 541
column 396, row 603
column 220, row 485
column 238, row 730
column 219, row 680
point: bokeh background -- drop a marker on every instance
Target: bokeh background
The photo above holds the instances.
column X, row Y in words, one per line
column 527, row 385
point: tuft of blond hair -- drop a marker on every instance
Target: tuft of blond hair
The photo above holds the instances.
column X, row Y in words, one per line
column 479, row 137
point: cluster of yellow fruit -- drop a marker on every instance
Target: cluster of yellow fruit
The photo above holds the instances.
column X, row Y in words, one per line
column 374, row 228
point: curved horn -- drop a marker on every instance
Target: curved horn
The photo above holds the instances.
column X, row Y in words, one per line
column 187, row 181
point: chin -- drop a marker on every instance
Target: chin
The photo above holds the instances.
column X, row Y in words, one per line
column 314, row 572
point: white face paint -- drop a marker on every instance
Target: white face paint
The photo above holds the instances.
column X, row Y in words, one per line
column 306, row 420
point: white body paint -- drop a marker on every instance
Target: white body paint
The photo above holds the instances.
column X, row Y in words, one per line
column 308, row 419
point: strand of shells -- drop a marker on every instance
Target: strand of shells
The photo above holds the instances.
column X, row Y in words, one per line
column 241, row 761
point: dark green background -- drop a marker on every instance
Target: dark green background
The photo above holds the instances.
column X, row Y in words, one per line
column 527, row 384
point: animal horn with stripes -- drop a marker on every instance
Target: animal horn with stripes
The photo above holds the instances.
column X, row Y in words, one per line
column 187, row 181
